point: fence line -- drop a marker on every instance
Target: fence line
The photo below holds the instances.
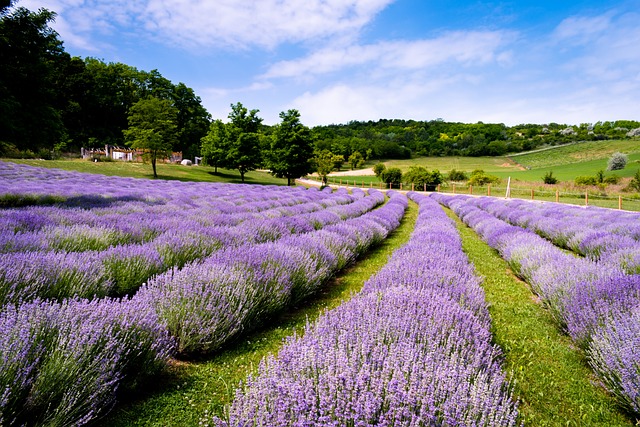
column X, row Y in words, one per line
column 586, row 198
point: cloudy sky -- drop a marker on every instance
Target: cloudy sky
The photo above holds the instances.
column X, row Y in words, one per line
column 506, row 62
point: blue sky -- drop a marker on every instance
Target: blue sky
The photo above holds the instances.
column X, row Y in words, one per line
column 339, row 60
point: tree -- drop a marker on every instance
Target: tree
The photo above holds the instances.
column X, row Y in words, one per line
column 291, row 150
column 618, row 161
column 378, row 169
column 193, row 120
column 356, row 160
column 392, row 176
column 456, row 175
column 215, row 145
column 549, row 178
column 243, row 139
column 29, row 53
column 152, row 128
column 324, row 164
column 479, row 177
column 421, row 177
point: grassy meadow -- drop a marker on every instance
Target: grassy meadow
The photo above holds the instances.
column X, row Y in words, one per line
column 165, row 171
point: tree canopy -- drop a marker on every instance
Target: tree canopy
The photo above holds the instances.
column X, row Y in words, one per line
column 152, row 128
column 291, row 149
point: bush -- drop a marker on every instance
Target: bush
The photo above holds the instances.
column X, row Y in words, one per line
column 548, row 178
column 479, row 177
column 586, row 180
column 456, row 175
column 613, row 179
column 421, row 177
column 635, row 181
column 391, row 176
column 618, row 161
column 378, row 169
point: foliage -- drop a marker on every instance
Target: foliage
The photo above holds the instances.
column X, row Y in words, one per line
column 456, row 175
column 586, row 180
column 378, row 168
column 617, row 161
column 324, row 162
column 243, row 147
column 391, row 176
column 214, row 145
column 356, row 160
column 548, row 178
column 479, row 177
column 152, row 128
column 635, row 181
column 611, row 179
column 290, row 153
column 421, row 177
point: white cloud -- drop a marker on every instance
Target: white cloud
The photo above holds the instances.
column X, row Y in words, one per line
column 463, row 48
column 220, row 23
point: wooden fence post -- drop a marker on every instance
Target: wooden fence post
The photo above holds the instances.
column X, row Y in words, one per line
column 470, row 189
column 400, row 186
column 437, row 188
column 586, row 197
column 412, row 186
column 619, row 202
column 532, row 194
column 454, row 188
column 557, row 196
column 489, row 190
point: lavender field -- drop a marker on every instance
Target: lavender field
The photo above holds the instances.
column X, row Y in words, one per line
column 106, row 281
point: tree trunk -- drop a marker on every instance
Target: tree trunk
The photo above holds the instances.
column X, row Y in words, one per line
column 153, row 164
column 288, row 181
column 242, row 176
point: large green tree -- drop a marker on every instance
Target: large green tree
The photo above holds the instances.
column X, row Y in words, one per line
column 243, row 133
column 152, row 128
column 215, row 145
column 29, row 52
column 291, row 151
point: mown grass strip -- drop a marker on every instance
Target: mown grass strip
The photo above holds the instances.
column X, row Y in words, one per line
column 552, row 379
column 193, row 391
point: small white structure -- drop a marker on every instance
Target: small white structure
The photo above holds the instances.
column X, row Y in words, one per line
column 186, row 162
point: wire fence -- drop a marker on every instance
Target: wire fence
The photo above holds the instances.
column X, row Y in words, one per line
column 586, row 197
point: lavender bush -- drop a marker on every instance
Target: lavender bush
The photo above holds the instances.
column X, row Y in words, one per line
column 407, row 351
column 592, row 300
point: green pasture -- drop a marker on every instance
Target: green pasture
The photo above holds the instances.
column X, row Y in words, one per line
column 577, row 153
column 165, row 171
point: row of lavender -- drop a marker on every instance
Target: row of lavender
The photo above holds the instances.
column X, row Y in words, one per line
column 63, row 362
column 176, row 233
column 596, row 303
column 413, row 348
column 607, row 236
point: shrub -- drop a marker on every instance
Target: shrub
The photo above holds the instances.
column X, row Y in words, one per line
column 391, row 176
column 456, row 175
column 635, row 181
column 548, row 178
column 586, row 180
column 421, row 177
column 613, row 179
column 617, row 161
column 378, row 169
column 479, row 177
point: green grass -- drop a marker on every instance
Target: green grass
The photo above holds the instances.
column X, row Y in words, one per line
column 193, row 391
column 551, row 377
column 165, row 171
column 576, row 153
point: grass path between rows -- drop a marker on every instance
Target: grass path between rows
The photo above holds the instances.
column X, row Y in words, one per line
column 194, row 391
column 552, row 378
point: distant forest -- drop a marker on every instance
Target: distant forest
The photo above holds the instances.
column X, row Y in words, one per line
column 52, row 103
